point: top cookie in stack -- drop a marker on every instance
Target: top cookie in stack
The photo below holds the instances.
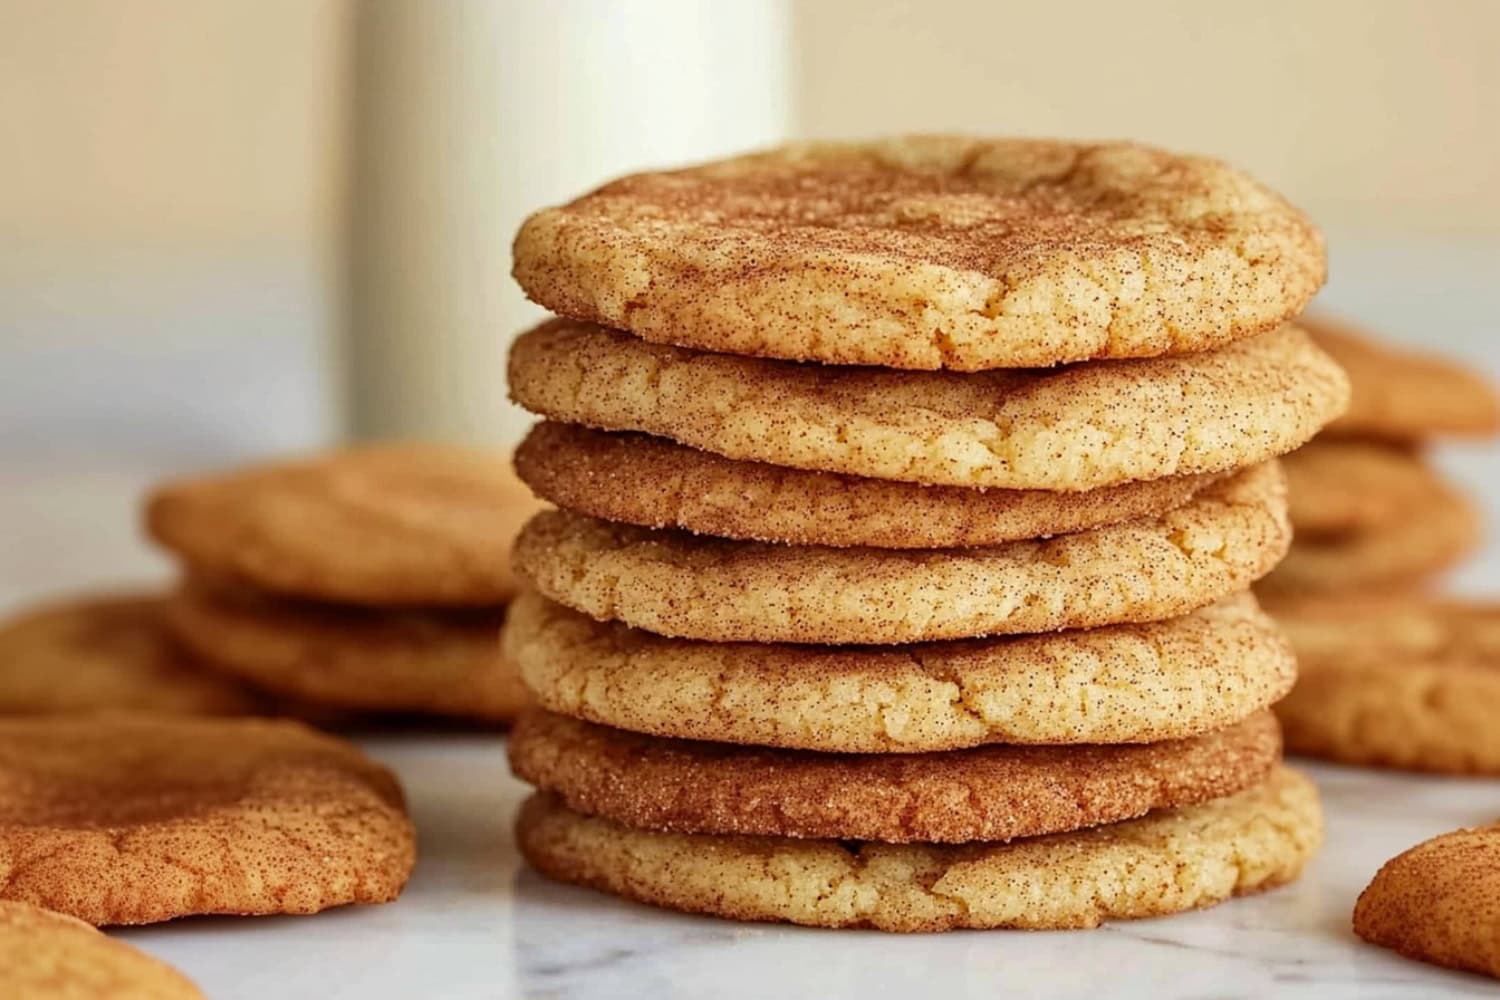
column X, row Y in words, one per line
column 1054, row 378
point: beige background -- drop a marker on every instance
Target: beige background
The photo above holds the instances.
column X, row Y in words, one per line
column 179, row 177
column 1377, row 115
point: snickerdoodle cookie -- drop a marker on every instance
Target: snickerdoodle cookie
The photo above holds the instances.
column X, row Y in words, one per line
column 130, row 819
column 443, row 662
column 1394, row 557
column 1401, row 394
column 1165, row 862
column 1119, row 684
column 390, row 525
column 1079, row 427
column 108, row 652
column 653, row 482
column 50, row 956
column 677, row 584
column 989, row 793
column 930, row 252
column 1397, row 682
column 1338, row 486
column 1439, row 902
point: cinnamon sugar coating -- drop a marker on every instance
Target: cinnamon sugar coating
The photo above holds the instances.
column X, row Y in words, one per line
column 127, row 819
column 1439, row 902
column 405, row 524
column 677, row 584
column 992, row 793
column 1165, row 862
column 654, row 483
column 1120, row 684
column 427, row 662
column 1081, row 427
column 926, row 252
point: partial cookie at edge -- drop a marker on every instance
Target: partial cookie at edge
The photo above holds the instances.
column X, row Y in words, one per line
column 50, row 956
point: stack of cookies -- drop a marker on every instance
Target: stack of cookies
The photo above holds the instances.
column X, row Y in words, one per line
column 1370, row 511
column 370, row 580
column 1389, row 677
column 910, row 496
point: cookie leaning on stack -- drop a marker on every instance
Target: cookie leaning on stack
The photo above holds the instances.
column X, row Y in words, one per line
column 795, row 624
column 369, row 579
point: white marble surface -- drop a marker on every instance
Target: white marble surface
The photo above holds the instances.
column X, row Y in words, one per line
column 475, row 923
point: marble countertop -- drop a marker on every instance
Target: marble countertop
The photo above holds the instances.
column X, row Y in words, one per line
column 474, row 922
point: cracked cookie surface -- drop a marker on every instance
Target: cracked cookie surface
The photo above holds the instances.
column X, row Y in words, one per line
column 1078, row 427
column 930, row 252
column 655, row 483
column 430, row 662
column 1118, row 684
column 676, row 584
column 129, row 819
column 406, row 524
column 50, row 956
column 992, row 793
column 1165, row 862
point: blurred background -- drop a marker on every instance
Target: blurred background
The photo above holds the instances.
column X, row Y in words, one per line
column 236, row 227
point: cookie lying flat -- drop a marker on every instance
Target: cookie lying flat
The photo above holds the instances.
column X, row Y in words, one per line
column 1338, row 486
column 1397, row 682
column 652, row 482
column 423, row 662
column 49, row 956
column 1083, row 427
column 693, row 586
column 1119, row 684
column 111, row 652
column 1394, row 557
column 1077, row 428
column 930, row 252
column 408, row 524
column 1401, row 394
column 1439, row 902
column 126, row 819
column 1166, row 862
column 990, row 793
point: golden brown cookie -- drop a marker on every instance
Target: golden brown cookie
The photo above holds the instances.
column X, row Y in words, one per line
column 1396, row 682
column 1166, row 862
column 1082, row 427
column 49, row 956
column 131, row 819
column 108, row 652
column 992, row 793
column 1439, row 902
column 930, row 252
column 694, row 586
column 1394, row 557
column 652, row 482
column 1119, row 684
column 411, row 524
column 444, row 663
column 1338, row 486
column 1402, row 394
